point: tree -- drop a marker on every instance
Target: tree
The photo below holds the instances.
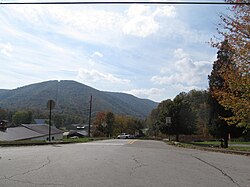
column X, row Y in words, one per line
column 109, row 119
column 182, row 117
column 198, row 100
column 138, row 126
column 236, row 93
column 165, row 109
column 104, row 124
column 217, row 85
column 3, row 114
column 99, row 124
column 121, row 124
column 22, row 117
column 152, row 122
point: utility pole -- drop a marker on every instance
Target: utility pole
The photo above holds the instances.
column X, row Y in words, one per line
column 50, row 105
column 90, row 111
column 50, row 108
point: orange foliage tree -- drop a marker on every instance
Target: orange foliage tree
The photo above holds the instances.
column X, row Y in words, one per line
column 235, row 94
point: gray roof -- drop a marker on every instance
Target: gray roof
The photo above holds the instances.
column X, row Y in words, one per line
column 18, row 133
column 75, row 133
column 27, row 131
column 42, row 128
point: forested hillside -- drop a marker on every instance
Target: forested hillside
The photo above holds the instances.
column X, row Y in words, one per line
column 73, row 98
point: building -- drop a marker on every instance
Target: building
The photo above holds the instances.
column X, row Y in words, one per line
column 76, row 133
column 3, row 125
column 40, row 121
column 30, row 132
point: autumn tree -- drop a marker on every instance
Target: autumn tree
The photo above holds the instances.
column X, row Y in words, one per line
column 104, row 124
column 120, row 124
column 128, row 124
column 3, row 114
column 100, row 124
column 109, row 119
column 235, row 95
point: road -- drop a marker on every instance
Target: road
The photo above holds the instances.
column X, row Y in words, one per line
column 125, row 163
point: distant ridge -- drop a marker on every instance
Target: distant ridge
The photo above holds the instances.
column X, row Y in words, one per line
column 73, row 98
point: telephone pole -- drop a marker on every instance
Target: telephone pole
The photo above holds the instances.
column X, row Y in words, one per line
column 90, row 111
column 50, row 105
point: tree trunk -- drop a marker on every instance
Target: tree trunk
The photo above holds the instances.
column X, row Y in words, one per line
column 177, row 137
column 226, row 140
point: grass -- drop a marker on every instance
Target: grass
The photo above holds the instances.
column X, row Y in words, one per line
column 239, row 148
column 207, row 144
column 42, row 142
column 82, row 140
column 245, row 143
column 23, row 142
column 215, row 146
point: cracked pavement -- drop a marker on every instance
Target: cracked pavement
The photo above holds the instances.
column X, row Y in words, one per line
column 112, row 163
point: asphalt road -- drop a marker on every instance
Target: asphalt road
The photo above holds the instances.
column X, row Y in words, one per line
column 126, row 163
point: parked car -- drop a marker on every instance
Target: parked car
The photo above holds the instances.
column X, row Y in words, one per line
column 125, row 136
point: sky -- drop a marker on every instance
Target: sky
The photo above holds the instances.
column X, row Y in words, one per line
column 150, row 51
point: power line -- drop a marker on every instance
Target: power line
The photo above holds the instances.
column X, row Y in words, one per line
column 121, row 2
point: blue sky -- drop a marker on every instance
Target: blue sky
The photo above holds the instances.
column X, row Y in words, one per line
column 152, row 52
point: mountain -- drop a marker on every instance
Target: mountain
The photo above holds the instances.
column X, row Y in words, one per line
column 73, row 98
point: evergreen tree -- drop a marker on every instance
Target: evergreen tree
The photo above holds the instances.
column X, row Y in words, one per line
column 217, row 123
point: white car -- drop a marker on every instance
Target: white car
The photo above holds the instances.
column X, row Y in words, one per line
column 124, row 136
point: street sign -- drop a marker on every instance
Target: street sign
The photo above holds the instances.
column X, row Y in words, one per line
column 168, row 119
column 104, row 124
column 51, row 104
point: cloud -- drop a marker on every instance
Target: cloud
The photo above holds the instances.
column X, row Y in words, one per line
column 85, row 23
column 139, row 10
column 181, row 87
column 179, row 53
column 142, row 19
column 186, row 73
column 141, row 26
column 93, row 75
column 152, row 93
column 6, row 49
column 165, row 11
column 106, row 27
column 70, row 42
column 98, row 54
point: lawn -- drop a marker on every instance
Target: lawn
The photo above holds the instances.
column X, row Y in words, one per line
column 82, row 140
column 232, row 145
column 41, row 142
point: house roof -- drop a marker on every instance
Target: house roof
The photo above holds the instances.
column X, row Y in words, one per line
column 75, row 133
column 18, row 133
column 42, row 128
column 27, row 131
